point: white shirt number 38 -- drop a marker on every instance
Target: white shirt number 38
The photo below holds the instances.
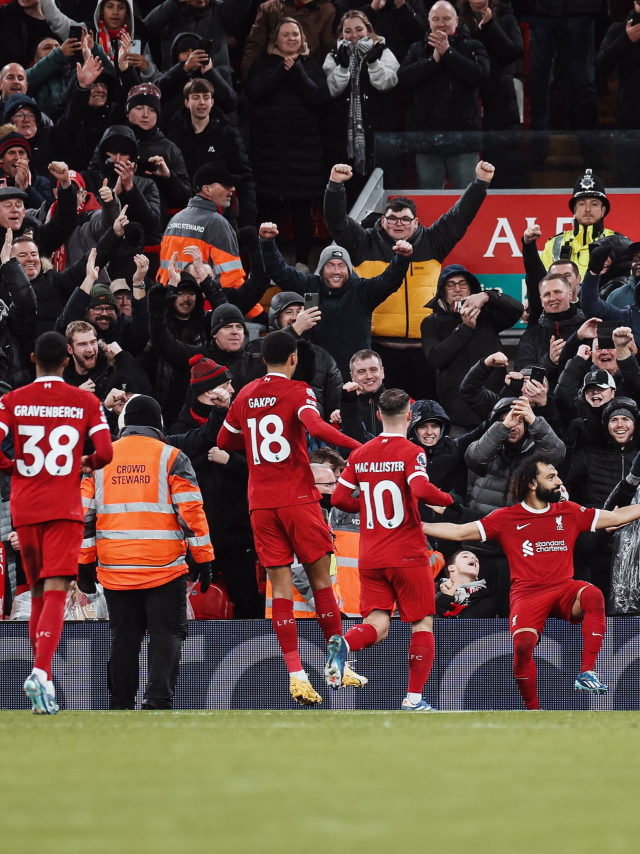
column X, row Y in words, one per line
column 59, row 460
column 273, row 448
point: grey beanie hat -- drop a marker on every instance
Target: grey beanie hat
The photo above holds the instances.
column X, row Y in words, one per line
column 331, row 252
column 225, row 314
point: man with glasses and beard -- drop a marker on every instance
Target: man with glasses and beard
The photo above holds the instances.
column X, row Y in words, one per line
column 538, row 533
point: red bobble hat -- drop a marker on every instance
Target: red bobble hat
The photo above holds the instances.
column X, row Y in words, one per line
column 206, row 374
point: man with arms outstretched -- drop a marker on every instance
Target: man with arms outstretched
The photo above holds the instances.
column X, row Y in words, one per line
column 49, row 422
column 269, row 418
column 538, row 534
column 391, row 474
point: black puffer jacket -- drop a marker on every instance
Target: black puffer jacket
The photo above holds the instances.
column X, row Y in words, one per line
column 359, row 414
column 445, row 460
column 533, row 348
column 595, row 470
column 453, row 347
column 286, row 147
column 17, row 324
column 445, row 93
column 618, row 53
column 223, row 487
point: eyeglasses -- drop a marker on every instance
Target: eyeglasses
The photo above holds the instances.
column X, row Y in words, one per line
column 24, row 117
column 405, row 220
column 104, row 310
column 451, row 286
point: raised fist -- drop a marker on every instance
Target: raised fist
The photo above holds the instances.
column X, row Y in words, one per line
column 403, row 248
column 341, row 172
column 268, row 230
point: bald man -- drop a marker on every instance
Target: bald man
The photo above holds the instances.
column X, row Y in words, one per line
column 444, row 73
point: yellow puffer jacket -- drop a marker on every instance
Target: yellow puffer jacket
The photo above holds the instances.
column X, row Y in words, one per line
column 401, row 314
column 579, row 244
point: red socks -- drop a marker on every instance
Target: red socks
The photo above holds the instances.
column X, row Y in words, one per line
column 327, row 612
column 361, row 636
column 524, row 668
column 594, row 625
column 36, row 609
column 421, row 655
column 284, row 625
column 49, row 628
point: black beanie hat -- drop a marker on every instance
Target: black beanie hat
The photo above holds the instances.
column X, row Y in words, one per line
column 206, row 374
column 224, row 314
column 145, row 93
column 143, row 411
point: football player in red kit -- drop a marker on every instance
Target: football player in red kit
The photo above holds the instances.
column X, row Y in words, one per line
column 49, row 422
column 269, row 417
column 537, row 535
column 391, row 474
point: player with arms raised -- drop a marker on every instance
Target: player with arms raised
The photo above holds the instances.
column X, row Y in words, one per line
column 538, row 534
column 269, row 418
column 393, row 566
column 49, row 422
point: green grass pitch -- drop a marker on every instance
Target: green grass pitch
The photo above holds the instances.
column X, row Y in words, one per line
column 314, row 781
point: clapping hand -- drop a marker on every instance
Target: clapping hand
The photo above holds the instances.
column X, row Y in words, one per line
column 5, row 253
column 121, row 222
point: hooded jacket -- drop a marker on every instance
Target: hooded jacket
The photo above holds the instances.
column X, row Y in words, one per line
column 452, row 347
column 445, row 93
column 371, row 249
column 491, row 459
column 346, row 311
column 175, row 190
column 445, row 460
column 143, row 198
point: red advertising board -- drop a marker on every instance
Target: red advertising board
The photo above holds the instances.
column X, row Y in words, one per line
column 492, row 242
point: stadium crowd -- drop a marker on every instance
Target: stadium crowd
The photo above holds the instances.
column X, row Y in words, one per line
column 152, row 157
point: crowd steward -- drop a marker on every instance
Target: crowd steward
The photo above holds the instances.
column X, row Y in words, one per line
column 175, row 182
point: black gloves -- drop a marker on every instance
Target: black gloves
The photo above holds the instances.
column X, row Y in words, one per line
column 341, row 55
column 87, row 577
column 158, row 298
column 202, row 572
column 375, row 53
column 598, row 254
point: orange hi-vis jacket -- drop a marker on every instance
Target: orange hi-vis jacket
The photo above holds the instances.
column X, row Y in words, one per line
column 141, row 513
column 200, row 224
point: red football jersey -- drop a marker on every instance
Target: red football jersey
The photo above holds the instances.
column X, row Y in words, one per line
column 390, row 527
column 49, row 421
column 538, row 543
column 266, row 412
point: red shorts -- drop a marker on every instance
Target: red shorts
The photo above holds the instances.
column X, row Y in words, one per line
column 281, row 532
column 412, row 589
column 530, row 611
column 50, row 549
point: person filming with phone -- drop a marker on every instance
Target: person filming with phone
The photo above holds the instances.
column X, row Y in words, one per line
column 464, row 326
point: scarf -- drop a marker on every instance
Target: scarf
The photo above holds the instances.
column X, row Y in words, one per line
column 199, row 411
column 356, row 142
column 59, row 257
column 105, row 36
